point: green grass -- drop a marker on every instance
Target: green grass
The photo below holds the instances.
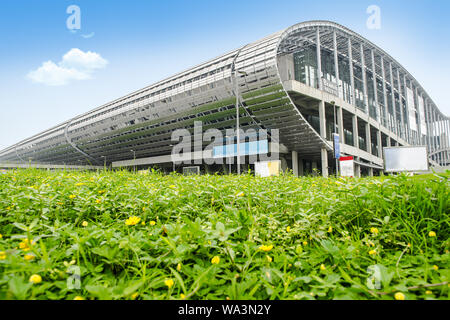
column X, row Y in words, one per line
column 330, row 250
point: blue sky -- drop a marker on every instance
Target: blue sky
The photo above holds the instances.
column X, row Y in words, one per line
column 146, row 41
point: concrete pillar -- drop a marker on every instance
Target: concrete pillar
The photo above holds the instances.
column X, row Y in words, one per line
column 386, row 117
column 364, row 78
column 428, row 124
column 379, row 144
column 368, row 138
column 375, row 89
column 322, row 119
column 295, row 163
column 408, row 133
column 352, row 78
column 357, row 170
column 394, row 108
column 336, row 62
column 324, row 161
column 340, row 123
column 355, row 131
column 388, row 141
column 319, row 59
column 370, row 172
column 419, row 115
column 402, row 121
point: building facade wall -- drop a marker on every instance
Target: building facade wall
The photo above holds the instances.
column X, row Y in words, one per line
column 294, row 81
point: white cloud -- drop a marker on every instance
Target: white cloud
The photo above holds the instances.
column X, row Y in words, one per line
column 75, row 65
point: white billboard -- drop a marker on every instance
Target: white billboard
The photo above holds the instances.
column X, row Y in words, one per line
column 268, row 168
column 347, row 167
column 409, row 159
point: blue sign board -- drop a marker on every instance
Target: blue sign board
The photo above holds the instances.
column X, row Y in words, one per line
column 245, row 149
column 337, row 147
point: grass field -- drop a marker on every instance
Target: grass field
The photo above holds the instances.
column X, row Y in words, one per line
column 119, row 235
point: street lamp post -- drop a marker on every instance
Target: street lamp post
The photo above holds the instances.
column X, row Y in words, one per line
column 238, row 137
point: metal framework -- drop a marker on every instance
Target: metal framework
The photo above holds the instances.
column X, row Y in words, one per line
column 379, row 104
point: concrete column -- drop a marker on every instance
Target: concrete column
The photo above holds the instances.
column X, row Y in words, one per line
column 340, row 122
column 433, row 129
column 375, row 91
column 408, row 132
column 428, row 124
column 295, row 163
column 319, row 59
column 352, row 78
column 322, row 119
column 393, row 99
column 370, row 172
column 357, row 170
column 388, row 141
column 336, row 62
column 364, row 78
column 383, row 74
column 368, row 138
column 402, row 122
column 324, row 161
column 379, row 144
column 419, row 116
column 355, row 131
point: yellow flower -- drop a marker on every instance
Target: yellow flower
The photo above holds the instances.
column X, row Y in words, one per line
column 374, row 230
column 322, row 267
column 435, row 267
column 330, row 229
column 79, row 184
column 131, row 221
column 101, row 191
column 182, row 296
column 2, row 255
column 172, row 186
column 1, row 236
column 84, row 224
column 269, row 259
column 26, row 244
column 78, row 298
column 72, row 196
column 134, row 295
column 240, row 194
column 215, row 260
column 288, row 229
column 35, row 278
column 266, row 248
column 169, row 283
column 29, row 257
column 98, row 200
column 152, row 223
column 143, row 223
column 179, row 267
column 432, row 234
column 399, row 296
column 305, row 243
column 428, row 292
column 372, row 252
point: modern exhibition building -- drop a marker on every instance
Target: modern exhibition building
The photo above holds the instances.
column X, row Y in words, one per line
column 308, row 81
